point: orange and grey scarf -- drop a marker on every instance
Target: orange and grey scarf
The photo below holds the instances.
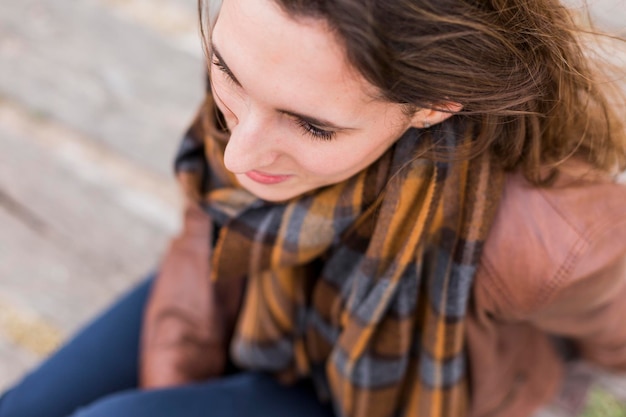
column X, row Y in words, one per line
column 362, row 286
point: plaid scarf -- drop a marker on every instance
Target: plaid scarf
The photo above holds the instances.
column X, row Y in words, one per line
column 362, row 285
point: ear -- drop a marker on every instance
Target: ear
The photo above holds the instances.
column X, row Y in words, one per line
column 431, row 116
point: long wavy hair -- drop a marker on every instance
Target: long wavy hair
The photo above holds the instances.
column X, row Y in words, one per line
column 531, row 93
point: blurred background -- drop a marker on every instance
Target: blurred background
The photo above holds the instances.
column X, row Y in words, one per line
column 94, row 95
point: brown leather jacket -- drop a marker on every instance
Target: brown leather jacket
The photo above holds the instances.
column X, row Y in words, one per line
column 554, row 264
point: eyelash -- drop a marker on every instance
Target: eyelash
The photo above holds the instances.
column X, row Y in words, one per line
column 223, row 69
column 309, row 129
column 315, row 132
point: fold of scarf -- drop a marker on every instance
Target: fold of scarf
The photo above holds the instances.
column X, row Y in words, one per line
column 362, row 285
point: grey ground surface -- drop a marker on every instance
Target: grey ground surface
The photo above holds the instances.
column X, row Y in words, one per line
column 93, row 98
column 94, row 95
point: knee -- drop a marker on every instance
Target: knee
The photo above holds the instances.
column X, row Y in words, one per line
column 118, row 405
column 3, row 402
column 14, row 403
column 13, row 406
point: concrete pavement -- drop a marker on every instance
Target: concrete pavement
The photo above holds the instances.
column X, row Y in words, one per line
column 93, row 98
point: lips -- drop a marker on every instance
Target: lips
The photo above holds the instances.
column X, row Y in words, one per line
column 266, row 179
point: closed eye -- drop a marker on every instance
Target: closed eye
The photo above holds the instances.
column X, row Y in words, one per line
column 315, row 131
column 217, row 62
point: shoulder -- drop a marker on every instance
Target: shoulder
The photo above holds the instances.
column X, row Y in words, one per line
column 546, row 240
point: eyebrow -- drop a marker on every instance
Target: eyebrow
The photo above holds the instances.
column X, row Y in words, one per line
column 324, row 124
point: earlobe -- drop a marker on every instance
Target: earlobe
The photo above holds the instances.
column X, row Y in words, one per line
column 425, row 118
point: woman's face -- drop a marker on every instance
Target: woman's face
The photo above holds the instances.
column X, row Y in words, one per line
column 300, row 116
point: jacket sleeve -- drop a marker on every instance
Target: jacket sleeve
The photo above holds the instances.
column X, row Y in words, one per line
column 183, row 337
column 591, row 307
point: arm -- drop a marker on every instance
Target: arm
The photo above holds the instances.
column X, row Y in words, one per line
column 183, row 338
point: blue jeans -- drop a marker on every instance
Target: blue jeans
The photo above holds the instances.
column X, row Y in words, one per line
column 95, row 375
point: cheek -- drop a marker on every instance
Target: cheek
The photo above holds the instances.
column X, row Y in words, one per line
column 333, row 160
column 347, row 156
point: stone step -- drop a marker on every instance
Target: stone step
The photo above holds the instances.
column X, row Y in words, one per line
column 94, row 96
column 79, row 223
column 124, row 85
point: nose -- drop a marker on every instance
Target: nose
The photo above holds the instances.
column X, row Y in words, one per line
column 250, row 146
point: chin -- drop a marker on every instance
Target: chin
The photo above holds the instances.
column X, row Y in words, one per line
column 274, row 197
column 276, row 193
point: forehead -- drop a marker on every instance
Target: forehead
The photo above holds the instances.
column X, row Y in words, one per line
column 263, row 45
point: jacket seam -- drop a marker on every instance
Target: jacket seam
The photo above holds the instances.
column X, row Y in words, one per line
column 549, row 287
column 585, row 241
column 493, row 276
column 560, row 213
column 574, row 258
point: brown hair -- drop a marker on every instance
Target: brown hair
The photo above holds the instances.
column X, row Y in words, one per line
column 528, row 90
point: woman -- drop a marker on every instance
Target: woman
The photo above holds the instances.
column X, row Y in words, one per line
column 396, row 208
